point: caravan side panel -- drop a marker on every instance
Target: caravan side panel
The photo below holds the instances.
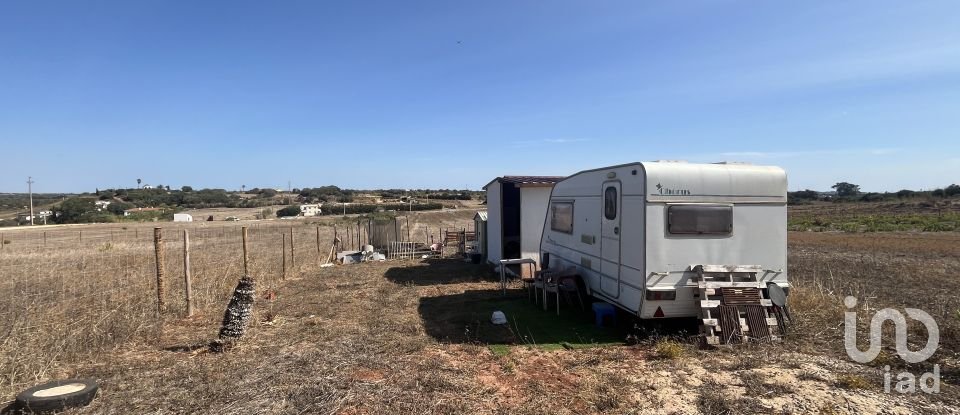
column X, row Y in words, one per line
column 581, row 247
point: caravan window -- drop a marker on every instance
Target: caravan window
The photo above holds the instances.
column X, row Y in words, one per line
column 561, row 217
column 700, row 219
column 610, row 203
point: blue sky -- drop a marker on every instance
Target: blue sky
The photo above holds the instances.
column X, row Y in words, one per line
column 389, row 94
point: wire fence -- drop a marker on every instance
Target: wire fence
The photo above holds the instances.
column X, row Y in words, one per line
column 72, row 293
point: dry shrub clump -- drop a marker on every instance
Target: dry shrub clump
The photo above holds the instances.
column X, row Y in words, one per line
column 670, row 349
column 851, row 381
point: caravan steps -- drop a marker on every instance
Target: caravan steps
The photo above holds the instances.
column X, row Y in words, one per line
column 733, row 309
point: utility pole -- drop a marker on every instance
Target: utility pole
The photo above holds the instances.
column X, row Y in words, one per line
column 30, row 190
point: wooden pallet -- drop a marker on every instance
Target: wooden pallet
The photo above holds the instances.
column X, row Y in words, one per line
column 734, row 312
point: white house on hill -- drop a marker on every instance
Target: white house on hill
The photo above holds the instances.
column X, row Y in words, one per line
column 310, row 210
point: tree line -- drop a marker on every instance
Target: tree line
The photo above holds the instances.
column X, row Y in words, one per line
column 849, row 192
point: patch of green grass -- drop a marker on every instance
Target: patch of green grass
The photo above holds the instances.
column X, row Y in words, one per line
column 945, row 222
column 465, row 318
column 529, row 324
column 499, row 350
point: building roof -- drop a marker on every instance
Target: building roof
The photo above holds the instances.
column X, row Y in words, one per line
column 528, row 181
column 482, row 215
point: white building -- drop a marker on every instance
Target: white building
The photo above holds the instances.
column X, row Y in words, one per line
column 310, row 210
column 516, row 211
column 102, row 204
column 480, row 226
column 182, row 217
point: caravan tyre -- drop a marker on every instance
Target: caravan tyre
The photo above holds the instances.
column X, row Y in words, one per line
column 57, row 395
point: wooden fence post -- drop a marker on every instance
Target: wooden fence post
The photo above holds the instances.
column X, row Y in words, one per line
column 44, row 239
column 318, row 243
column 188, row 287
column 81, row 236
column 158, row 251
column 283, row 255
column 293, row 263
column 246, row 258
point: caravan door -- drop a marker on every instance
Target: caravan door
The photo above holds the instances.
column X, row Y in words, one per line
column 610, row 239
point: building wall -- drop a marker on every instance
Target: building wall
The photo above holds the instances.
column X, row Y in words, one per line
column 480, row 227
column 533, row 214
column 494, row 229
column 309, row 210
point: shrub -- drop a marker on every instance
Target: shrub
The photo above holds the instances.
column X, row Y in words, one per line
column 851, row 381
column 292, row 210
column 669, row 349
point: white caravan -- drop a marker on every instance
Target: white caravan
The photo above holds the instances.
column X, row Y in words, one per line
column 643, row 236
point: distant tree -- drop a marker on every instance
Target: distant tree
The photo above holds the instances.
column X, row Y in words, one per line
column 186, row 189
column 268, row 193
column 938, row 193
column 806, row 194
column 951, row 190
column 117, row 208
column 871, row 197
column 138, row 183
column 292, row 210
column 72, row 209
column 243, row 188
column 905, row 193
column 846, row 189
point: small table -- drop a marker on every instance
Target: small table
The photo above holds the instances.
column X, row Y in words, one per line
column 518, row 261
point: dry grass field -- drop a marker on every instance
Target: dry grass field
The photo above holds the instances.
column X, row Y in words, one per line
column 412, row 336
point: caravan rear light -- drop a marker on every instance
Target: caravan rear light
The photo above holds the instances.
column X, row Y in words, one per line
column 658, row 313
column 661, row 295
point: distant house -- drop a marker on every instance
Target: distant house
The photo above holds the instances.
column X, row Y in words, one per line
column 101, row 204
column 147, row 186
column 310, row 210
column 182, row 217
column 129, row 212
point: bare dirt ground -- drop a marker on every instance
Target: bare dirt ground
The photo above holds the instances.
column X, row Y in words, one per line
column 390, row 337
column 353, row 339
